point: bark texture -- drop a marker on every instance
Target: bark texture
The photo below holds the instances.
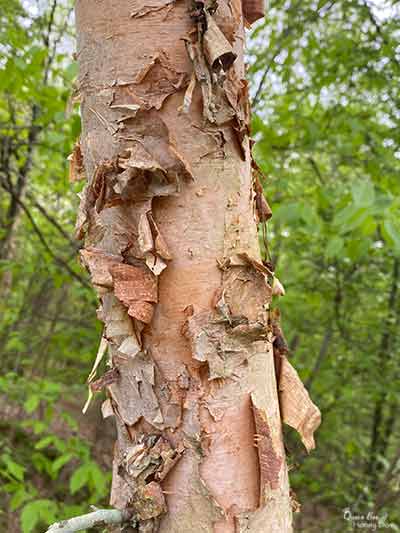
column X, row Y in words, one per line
column 169, row 216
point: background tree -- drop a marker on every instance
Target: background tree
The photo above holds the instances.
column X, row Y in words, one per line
column 328, row 140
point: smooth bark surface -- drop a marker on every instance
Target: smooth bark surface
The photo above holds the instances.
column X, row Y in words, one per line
column 169, row 218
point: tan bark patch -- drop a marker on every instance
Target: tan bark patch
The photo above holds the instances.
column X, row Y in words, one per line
column 151, row 7
column 157, row 80
column 133, row 393
column 99, row 263
column 216, row 107
column 149, row 501
column 111, row 376
column 240, row 281
column 222, row 342
column 142, row 466
column 199, row 511
column 120, row 329
column 135, row 287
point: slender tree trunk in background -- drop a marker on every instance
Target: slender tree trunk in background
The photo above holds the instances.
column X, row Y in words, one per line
column 321, row 355
column 17, row 191
column 171, row 243
column 14, row 211
column 382, row 421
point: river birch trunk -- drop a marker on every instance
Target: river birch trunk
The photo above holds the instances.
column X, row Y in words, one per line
column 169, row 217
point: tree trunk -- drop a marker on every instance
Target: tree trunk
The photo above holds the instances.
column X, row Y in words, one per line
column 17, row 191
column 382, row 419
column 171, row 243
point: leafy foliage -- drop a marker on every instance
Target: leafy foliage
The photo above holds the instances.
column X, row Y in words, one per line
column 40, row 459
column 47, row 311
column 325, row 92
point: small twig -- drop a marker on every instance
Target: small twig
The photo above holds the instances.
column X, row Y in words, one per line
column 281, row 41
column 97, row 518
column 316, row 169
column 53, row 221
column 36, row 229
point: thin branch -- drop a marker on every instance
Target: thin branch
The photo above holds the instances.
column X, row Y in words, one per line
column 36, row 229
column 52, row 220
column 264, row 76
column 286, row 33
column 100, row 517
column 56, row 42
column 46, row 38
column 321, row 355
column 294, row 343
column 74, row 244
column 379, row 31
column 316, row 169
column 46, row 41
column 377, row 437
column 58, row 260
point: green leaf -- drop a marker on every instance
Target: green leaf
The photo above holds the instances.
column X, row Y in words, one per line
column 44, row 443
column 357, row 220
column 98, row 478
column 79, row 478
column 48, row 511
column 15, row 342
column 391, row 234
column 51, row 388
column 288, row 213
column 72, row 423
column 350, row 218
column 18, row 498
column 309, row 216
column 363, row 193
column 357, row 248
column 61, row 461
column 350, row 448
column 334, row 247
column 42, row 463
column 37, row 512
column 71, row 71
column 369, row 226
column 15, row 469
column 29, row 517
column 32, row 403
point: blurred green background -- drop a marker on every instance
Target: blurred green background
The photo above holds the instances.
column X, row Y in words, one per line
column 326, row 110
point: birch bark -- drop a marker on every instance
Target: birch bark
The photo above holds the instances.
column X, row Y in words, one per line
column 169, row 220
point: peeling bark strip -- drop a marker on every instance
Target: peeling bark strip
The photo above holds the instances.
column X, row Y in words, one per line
column 270, row 461
column 168, row 216
column 253, row 10
column 76, row 168
column 298, row 411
